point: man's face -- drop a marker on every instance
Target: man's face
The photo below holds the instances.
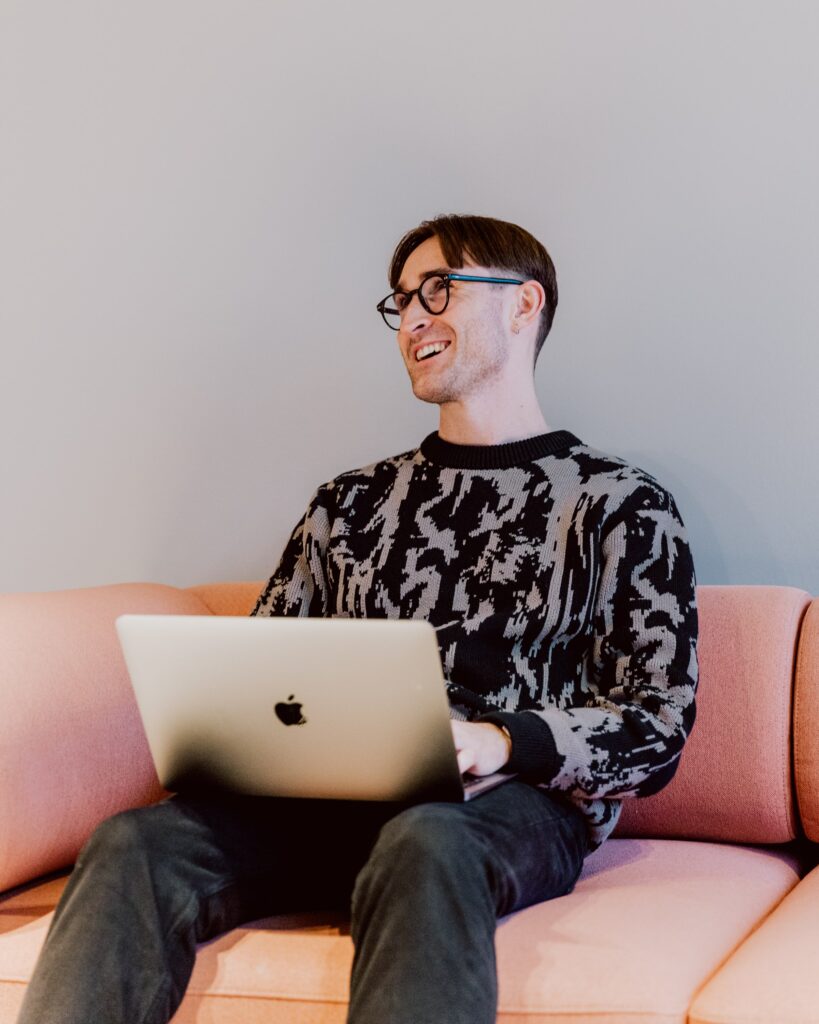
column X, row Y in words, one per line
column 472, row 326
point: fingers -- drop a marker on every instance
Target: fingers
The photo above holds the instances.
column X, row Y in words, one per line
column 482, row 747
column 467, row 756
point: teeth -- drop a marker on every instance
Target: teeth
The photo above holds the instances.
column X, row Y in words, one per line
column 424, row 351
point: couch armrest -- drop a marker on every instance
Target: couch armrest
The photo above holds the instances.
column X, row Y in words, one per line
column 72, row 747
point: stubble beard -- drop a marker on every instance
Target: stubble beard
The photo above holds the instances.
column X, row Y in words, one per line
column 479, row 358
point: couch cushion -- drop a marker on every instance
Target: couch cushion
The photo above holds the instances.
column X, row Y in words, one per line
column 647, row 924
column 772, row 976
column 229, row 598
column 72, row 747
column 806, row 723
column 734, row 781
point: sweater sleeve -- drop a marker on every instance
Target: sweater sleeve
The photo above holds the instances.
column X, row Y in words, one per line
column 641, row 671
column 298, row 587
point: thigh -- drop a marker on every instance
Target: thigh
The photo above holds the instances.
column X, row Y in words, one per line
column 530, row 843
column 538, row 841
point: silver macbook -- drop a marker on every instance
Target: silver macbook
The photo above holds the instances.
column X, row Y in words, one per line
column 352, row 709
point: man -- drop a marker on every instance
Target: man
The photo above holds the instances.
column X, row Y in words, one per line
column 561, row 585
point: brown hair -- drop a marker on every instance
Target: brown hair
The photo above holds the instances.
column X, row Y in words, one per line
column 488, row 243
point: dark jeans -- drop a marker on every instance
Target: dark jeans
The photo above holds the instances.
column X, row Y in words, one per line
column 424, row 886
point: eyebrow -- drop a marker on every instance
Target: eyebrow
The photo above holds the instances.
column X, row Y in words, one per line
column 428, row 273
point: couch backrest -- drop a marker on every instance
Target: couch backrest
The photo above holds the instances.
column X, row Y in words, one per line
column 73, row 752
column 734, row 780
column 228, row 598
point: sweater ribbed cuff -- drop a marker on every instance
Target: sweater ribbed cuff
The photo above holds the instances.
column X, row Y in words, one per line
column 533, row 746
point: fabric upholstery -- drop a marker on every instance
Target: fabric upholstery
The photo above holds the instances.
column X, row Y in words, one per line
column 646, row 925
column 806, row 723
column 228, row 598
column 653, row 923
column 747, row 652
column 66, row 692
column 772, row 976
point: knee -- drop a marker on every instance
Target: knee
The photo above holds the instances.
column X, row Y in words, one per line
column 425, row 843
column 125, row 836
column 426, row 866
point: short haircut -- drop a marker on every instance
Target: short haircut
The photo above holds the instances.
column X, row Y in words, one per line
column 489, row 243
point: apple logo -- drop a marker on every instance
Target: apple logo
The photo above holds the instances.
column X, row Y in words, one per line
column 290, row 714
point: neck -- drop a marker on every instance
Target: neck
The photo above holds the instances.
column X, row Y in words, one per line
column 491, row 420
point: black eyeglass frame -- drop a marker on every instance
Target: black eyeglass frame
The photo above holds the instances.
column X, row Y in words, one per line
column 446, row 278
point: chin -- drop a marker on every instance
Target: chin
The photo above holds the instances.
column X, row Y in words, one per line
column 433, row 396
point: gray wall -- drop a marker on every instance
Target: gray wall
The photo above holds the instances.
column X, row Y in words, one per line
column 199, row 200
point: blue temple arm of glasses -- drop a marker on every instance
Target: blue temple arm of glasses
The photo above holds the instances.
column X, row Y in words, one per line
column 488, row 280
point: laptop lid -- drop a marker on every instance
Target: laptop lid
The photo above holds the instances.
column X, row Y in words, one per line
column 303, row 707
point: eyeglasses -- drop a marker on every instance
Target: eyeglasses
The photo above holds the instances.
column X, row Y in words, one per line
column 433, row 294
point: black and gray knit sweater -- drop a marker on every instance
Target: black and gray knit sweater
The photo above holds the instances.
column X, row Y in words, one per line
column 562, row 588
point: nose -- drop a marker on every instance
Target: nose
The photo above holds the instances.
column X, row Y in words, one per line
column 413, row 316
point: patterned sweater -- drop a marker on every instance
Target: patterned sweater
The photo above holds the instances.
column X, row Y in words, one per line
column 562, row 588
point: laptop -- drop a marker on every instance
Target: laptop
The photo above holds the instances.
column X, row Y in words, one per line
column 348, row 709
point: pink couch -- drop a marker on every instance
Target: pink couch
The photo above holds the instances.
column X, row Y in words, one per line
column 703, row 906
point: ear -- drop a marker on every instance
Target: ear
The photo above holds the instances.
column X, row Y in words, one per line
column 529, row 301
column 530, row 298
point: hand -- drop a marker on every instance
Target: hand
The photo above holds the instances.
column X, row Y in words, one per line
column 483, row 747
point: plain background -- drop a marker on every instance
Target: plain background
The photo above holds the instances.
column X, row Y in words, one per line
column 199, row 200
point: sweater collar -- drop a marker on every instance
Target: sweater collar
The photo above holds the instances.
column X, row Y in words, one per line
column 495, row 456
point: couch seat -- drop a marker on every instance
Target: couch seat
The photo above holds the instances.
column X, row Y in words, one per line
column 773, row 975
column 648, row 924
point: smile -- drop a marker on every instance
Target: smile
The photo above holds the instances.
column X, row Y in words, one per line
column 430, row 350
